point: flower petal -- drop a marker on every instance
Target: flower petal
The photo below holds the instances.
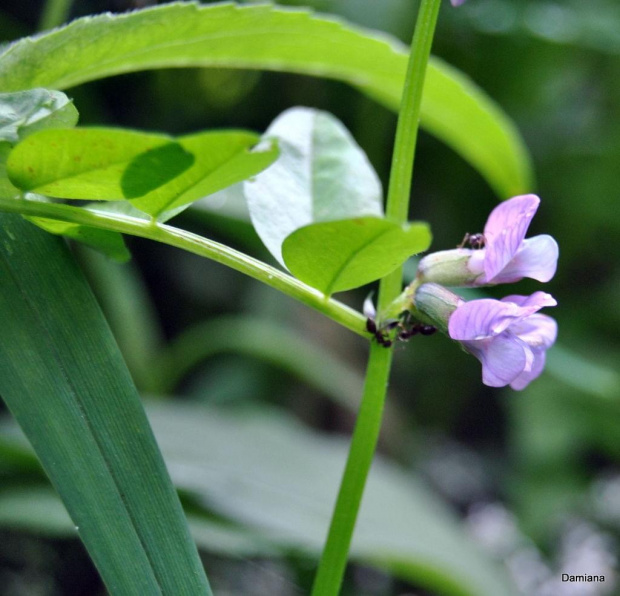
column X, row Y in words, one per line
column 457, row 2
column 505, row 230
column 532, row 303
column 504, row 358
column 537, row 258
column 479, row 319
column 524, row 379
column 537, row 331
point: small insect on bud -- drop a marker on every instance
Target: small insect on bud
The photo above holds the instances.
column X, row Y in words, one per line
column 474, row 240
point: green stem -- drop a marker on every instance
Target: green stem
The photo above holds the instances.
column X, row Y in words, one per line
column 345, row 316
column 54, row 14
column 361, row 452
column 363, row 444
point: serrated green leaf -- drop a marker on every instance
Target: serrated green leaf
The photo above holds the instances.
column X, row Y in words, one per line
column 340, row 255
column 274, row 38
column 321, row 175
column 64, row 380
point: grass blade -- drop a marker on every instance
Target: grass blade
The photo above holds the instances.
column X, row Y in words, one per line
column 62, row 377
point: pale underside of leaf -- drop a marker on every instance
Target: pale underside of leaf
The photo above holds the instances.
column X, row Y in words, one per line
column 320, row 175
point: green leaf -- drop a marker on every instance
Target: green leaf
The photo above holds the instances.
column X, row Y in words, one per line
column 268, row 472
column 341, row 255
column 6, row 188
column 221, row 160
column 109, row 243
column 26, row 112
column 274, row 38
column 63, row 378
column 35, row 509
column 276, row 480
column 321, row 175
column 157, row 173
column 85, row 163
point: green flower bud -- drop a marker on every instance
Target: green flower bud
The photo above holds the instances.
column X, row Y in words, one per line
column 436, row 304
column 451, row 267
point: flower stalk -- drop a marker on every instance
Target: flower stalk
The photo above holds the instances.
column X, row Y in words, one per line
column 363, row 444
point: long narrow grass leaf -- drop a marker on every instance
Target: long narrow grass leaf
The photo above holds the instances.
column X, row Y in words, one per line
column 62, row 377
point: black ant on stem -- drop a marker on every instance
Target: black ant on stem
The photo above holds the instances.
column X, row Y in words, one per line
column 406, row 326
column 476, row 241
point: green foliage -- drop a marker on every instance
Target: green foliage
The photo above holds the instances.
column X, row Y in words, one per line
column 321, row 175
column 63, row 378
column 274, row 38
column 341, row 255
column 157, row 173
column 221, row 160
column 27, row 112
column 275, row 480
column 109, row 243
column 84, row 163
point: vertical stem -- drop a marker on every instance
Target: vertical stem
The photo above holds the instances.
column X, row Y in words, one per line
column 55, row 13
column 361, row 452
column 407, row 134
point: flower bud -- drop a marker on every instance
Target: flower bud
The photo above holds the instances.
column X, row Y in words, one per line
column 450, row 267
column 436, row 304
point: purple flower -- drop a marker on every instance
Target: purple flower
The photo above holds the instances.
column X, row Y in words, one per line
column 507, row 256
column 457, row 2
column 508, row 336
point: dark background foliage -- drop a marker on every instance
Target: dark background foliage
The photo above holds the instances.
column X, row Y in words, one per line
column 535, row 474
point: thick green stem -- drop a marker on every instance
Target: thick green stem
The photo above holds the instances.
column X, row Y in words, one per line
column 204, row 247
column 334, row 558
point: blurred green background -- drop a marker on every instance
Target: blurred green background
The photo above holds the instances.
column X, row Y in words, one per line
column 535, row 475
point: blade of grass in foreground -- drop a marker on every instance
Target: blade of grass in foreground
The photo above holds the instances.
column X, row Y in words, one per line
column 62, row 377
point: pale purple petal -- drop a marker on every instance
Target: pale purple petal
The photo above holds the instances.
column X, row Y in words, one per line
column 534, row 302
column 524, row 379
column 503, row 358
column 475, row 264
column 505, row 230
column 536, row 258
column 537, row 331
column 479, row 319
column 457, row 2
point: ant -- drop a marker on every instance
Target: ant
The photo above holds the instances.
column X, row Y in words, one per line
column 381, row 334
column 407, row 327
column 474, row 240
